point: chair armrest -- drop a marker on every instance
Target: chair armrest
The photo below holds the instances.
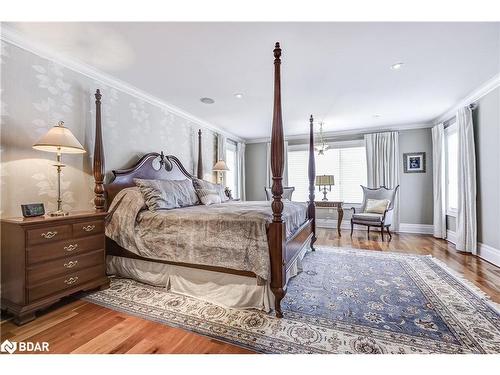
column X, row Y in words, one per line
column 353, row 210
column 387, row 218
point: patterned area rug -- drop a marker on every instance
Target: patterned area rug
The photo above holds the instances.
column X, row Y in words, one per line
column 344, row 301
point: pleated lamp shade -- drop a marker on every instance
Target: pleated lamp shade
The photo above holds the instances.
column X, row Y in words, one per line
column 220, row 166
column 59, row 139
column 325, row 180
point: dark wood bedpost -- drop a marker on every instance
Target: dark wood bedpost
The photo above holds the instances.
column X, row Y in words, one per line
column 199, row 172
column 277, row 227
column 98, row 168
column 311, row 210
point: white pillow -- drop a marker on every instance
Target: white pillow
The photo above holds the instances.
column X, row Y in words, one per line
column 208, row 197
column 376, row 206
column 202, row 184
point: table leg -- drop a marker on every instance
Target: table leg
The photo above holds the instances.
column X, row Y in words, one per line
column 340, row 216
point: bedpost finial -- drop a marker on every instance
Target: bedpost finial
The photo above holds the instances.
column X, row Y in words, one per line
column 311, row 119
column 98, row 95
column 199, row 132
column 277, row 51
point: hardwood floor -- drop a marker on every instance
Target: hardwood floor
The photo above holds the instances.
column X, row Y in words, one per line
column 75, row 326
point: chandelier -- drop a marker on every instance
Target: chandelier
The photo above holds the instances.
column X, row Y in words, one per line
column 321, row 146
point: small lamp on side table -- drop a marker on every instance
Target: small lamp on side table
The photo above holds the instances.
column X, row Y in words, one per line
column 325, row 181
column 60, row 140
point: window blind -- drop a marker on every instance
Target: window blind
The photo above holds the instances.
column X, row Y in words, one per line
column 347, row 164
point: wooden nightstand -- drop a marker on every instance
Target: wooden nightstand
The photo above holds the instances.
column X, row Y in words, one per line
column 47, row 258
column 333, row 204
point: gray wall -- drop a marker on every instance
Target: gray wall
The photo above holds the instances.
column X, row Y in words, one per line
column 415, row 189
column 255, row 170
column 487, row 142
column 37, row 93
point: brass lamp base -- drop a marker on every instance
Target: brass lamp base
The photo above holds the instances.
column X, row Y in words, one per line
column 324, row 194
column 58, row 213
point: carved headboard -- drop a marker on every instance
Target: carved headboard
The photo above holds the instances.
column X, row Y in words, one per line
column 152, row 166
column 148, row 167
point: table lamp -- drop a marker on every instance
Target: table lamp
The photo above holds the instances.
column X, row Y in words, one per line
column 220, row 167
column 325, row 181
column 60, row 140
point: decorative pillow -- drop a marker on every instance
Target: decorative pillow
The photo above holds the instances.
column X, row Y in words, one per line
column 202, row 184
column 208, row 197
column 376, row 206
column 166, row 194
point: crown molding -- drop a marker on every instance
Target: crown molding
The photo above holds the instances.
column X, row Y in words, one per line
column 472, row 97
column 343, row 133
column 11, row 36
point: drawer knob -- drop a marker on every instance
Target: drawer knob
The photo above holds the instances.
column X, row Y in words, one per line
column 71, row 280
column 49, row 234
column 88, row 228
column 71, row 247
column 71, row 264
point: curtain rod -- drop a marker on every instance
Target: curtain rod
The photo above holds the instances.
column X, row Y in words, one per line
column 452, row 119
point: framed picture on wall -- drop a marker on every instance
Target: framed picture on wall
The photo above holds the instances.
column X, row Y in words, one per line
column 414, row 162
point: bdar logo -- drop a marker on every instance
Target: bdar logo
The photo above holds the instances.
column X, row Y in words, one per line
column 8, row 346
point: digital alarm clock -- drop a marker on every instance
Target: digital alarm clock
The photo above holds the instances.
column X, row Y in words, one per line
column 33, row 209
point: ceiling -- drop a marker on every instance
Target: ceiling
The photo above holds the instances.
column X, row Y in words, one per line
column 340, row 72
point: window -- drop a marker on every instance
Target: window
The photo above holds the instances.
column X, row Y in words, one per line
column 232, row 174
column 451, row 144
column 346, row 161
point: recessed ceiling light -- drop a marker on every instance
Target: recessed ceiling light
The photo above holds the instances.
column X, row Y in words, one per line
column 376, row 116
column 397, row 66
column 207, row 100
column 238, row 95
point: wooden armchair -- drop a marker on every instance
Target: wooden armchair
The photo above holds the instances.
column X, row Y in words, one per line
column 370, row 217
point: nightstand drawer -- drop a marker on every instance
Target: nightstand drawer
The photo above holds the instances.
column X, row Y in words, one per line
column 48, row 234
column 63, row 266
column 60, row 283
column 41, row 253
column 88, row 228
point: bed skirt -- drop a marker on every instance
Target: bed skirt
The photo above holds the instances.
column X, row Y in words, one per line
column 223, row 289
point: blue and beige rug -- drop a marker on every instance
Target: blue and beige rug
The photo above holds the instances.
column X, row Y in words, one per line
column 344, row 301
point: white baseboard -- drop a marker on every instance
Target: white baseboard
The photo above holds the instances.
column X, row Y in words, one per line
column 416, row 228
column 489, row 253
column 332, row 223
column 486, row 252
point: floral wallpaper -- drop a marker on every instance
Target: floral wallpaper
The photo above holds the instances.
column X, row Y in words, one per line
column 36, row 93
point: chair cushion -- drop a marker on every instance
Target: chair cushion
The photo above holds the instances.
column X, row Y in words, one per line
column 367, row 217
column 376, row 206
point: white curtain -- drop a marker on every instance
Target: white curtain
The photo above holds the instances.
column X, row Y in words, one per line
column 439, row 180
column 269, row 173
column 382, row 158
column 194, row 149
column 466, row 230
column 240, row 153
column 221, row 154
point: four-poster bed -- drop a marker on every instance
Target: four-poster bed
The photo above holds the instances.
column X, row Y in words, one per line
column 285, row 244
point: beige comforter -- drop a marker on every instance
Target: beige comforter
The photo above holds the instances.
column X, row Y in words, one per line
column 230, row 235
